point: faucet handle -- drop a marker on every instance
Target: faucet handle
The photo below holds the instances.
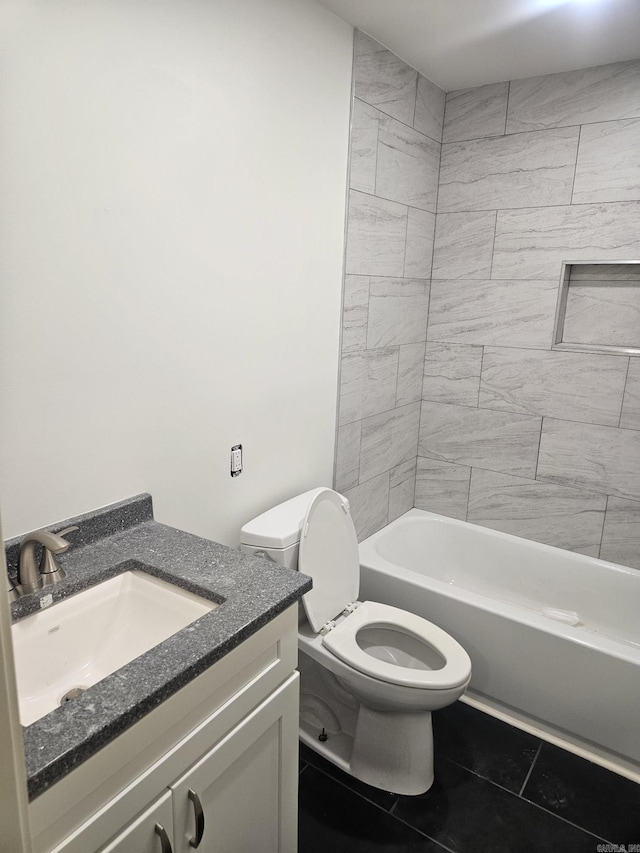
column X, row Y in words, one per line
column 62, row 533
column 50, row 571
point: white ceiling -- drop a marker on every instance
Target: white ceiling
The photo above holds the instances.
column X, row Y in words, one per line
column 460, row 43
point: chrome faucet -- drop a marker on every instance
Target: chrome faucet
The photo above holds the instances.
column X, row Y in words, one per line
column 31, row 576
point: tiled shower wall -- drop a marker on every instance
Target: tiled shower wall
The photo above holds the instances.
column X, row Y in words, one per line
column 512, row 435
column 395, row 160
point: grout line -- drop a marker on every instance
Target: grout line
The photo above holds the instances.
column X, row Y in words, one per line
column 406, row 240
column 395, row 399
column 493, row 245
column 344, row 784
column 415, row 104
column 564, row 820
column 415, row 207
column 466, row 509
column 506, row 112
column 493, row 136
column 438, row 844
column 624, row 392
column 392, row 811
column 386, row 412
column 480, row 377
column 520, row 797
column 408, row 126
column 521, row 132
column 523, row 414
column 535, row 758
column 575, row 167
column 444, row 117
column 539, row 207
column 535, row 476
column 604, row 519
column 366, row 337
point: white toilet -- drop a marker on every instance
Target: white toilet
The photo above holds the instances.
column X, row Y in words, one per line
column 370, row 674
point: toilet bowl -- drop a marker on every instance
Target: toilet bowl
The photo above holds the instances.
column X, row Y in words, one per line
column 370, row 673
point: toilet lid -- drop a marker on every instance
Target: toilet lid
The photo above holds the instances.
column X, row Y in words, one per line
column 342, row 642
column 329, row 554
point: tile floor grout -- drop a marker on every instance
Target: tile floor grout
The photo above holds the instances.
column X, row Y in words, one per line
column 388, row 812
column 535, row 758
column 502, row 764
column 391, row 810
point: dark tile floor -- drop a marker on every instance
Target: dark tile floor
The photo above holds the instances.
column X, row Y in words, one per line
column 497, row 790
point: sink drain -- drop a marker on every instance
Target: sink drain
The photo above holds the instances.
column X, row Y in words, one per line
column 72, row 694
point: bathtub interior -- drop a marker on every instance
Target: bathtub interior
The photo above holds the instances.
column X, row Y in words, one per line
column 564, row 586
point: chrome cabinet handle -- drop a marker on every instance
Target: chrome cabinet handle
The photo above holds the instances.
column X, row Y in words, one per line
column 165, row 844
column 199, row 815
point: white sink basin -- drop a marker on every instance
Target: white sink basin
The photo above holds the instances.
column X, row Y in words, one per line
column 86, row 637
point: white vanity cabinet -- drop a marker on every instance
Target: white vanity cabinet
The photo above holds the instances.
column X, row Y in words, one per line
column 247, row 803
column 148, row 832
column 238, row 798
column 213, row 768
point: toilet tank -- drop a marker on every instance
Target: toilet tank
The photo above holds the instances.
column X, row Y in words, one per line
column 276, row 533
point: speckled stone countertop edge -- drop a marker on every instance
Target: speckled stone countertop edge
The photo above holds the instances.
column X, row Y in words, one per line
column 250, row 592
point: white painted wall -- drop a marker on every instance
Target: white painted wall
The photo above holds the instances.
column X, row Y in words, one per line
column 172, row 192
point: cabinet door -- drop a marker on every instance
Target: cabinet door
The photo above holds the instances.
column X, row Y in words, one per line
column 143, row 835
column 246, row 787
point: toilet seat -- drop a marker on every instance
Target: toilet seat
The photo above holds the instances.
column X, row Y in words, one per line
column 329, row 554
column 341, row 641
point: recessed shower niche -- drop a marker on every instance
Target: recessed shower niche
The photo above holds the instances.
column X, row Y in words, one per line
column 599, row 307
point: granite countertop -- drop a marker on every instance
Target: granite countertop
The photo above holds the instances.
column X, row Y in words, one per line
column 250, row 591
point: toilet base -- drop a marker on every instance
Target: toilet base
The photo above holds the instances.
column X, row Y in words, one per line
column 392, row 751
column 409, row 772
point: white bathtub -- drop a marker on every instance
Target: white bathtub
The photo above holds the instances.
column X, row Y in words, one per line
column 504, row 599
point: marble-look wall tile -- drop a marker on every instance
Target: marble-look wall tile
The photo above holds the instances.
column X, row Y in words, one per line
column 355, row 312
column 429, row 115
column 410, row 370
column 596, row 458
column 397, row 311
column 407, row 165
column 630, row 418
column 477, row 112
column 526, row 169
column 532, row 243
column 480, row 438
column 602, row 313
column 608, row 167
column 364, row 147
column 376, row 231
column 348, row 456
column 570, row 385
column 419, row 248
column 452, row 373
column 621, row 535
column 383, row 79
column 556, row 515
column 603, row 93
column 463, row 245
column 498, row 313
column 369, row 504
column 442, row 487
column 367, row 383
column 402, row 487
column 388, row 439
